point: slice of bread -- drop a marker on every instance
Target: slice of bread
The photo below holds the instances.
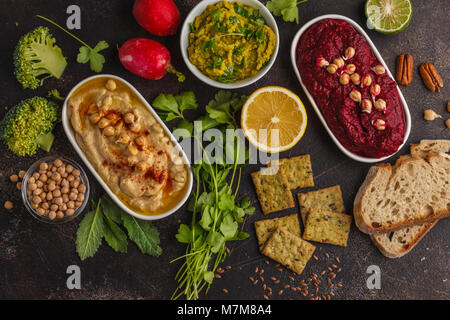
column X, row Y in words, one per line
column 398, row 243
column 422, row 149
column 412, row 192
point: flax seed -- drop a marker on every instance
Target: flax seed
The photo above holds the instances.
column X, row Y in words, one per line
column 280, row 269
column 332, row 293
column 337, row 260
column 228, row 250
column 264, row 286
column 277, row 265
column 322, row 272
column 266, row 261
column 286, row 286
column 255, row 282
column 302, row 282
column 339, row 285
column 324, row 297
column 330, row 269
column 280, row 292
column 220, row 270
column 261, row 278
column 311, row 295
column 314, row 275
column 273, row 278
column 266, row 297
column 317, row 290
column 334, row 266
column 269, row 293
column 251, row 279
column 277, row 282
column 327, row 255
column 309, row 280
column 333, row 276
column 329, row 280
column 339, row 270
column 315, row 257
column 304, row 294
column 293, row 288
column 218, row 276
column 331, row 286
column 256, row 270
column 224, row 290
column 269, row 289
column 291, row 278
column 228, row 267
column 261, row 271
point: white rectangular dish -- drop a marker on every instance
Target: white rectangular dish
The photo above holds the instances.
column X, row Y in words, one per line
column 70, row 135
column 316, row 108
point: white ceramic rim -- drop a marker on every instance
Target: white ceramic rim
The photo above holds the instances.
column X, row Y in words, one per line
column 185, row 31
column 69, row 133
column 316, row 108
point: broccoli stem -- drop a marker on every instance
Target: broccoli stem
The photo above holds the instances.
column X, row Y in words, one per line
column 45, row 141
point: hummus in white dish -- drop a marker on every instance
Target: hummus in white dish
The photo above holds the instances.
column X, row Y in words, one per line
column 127, row 146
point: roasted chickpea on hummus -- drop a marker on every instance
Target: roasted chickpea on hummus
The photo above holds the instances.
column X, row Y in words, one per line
column 127, row 147
column 230, row 42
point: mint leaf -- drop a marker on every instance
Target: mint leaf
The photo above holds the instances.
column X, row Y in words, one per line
column 90, row 233
column 114, row 236
column 143, row 234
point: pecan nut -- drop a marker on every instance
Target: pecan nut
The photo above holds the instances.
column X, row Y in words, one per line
column 431, row 77
column 405, row 68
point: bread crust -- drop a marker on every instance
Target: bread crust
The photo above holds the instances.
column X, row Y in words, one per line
column 411, row 244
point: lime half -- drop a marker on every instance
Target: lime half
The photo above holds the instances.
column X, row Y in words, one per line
column 388, row 16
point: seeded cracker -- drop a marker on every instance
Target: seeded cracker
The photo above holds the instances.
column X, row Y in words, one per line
column 298, row 171
column 272, row 189
column 289, row 250
column 265, row 228
column 327, row 227
column 327, row 199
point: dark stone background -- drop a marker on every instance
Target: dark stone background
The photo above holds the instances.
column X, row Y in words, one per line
column 34, row 256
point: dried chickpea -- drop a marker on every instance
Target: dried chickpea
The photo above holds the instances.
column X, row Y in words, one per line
column 52, row 215
column 447, row 123
column 8, row 205
column 59, row 214
column 14, row 178
column 19, row 185
column 76, row 173
column 69, row 168
column 43, row 166
column 110, row 85
column 58, row 201
column 70, row 212
column 43, row 178
column 58, row 163
column 71, row 204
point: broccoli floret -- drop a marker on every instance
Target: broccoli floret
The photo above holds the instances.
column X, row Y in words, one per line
column 37, row 58
column 28, row 125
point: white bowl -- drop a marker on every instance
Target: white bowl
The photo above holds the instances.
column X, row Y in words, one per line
column 186, row 30
column 70, row 135
column 316, row 108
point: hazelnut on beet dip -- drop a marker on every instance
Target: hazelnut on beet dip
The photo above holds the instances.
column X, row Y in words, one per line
column 326, row 52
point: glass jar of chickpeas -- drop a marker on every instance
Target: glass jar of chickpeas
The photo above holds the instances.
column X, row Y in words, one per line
column 55, row 189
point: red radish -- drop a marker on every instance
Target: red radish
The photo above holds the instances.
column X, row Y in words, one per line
column 147, row 58
column 159, row 17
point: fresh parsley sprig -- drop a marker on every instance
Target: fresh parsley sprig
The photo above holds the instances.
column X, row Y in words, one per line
column 216, row 211
column 286, row 8
column 86, row 53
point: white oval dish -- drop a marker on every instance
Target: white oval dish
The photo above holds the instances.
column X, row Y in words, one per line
column 316, row 108
column 186, row 30
column 70, row 135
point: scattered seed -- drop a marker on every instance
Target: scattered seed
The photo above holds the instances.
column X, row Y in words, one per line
column 218, row 276
column 261, row 278
column 228, row 250
column 334, row 266
column 294, row 288
column 317, row 290
column 337, row 260
column 291, row 278
column 279, row 269
column 286, row 286
column 339, row 270
column 266, row 297
column 251, row 279
column 331, row 286
column 277, row 282
column 256, row 270
column 220, row 270
column 333, row 276
column 224, row 290
column 322, row 272
column 314, row 275
column 264, row 286
column 228, row 267
column 332, row 293
column 311, row 295
column 261, row 271
column 309, row 280
column 269, row 293
column 273, row 278
column 266, row 261
column 280, row 292
column 277, row 265
column 327, row 255
column 255, row 282
column 339, row 285
column 315, row 257
column 304, row 294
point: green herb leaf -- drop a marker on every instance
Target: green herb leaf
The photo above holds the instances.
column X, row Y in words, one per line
column 143, row 233
column 285, row 8
column 184, row 234
column 229, row 227
column 215, row 240
column 114, row 236
column 186, row 101
column 90, row 233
